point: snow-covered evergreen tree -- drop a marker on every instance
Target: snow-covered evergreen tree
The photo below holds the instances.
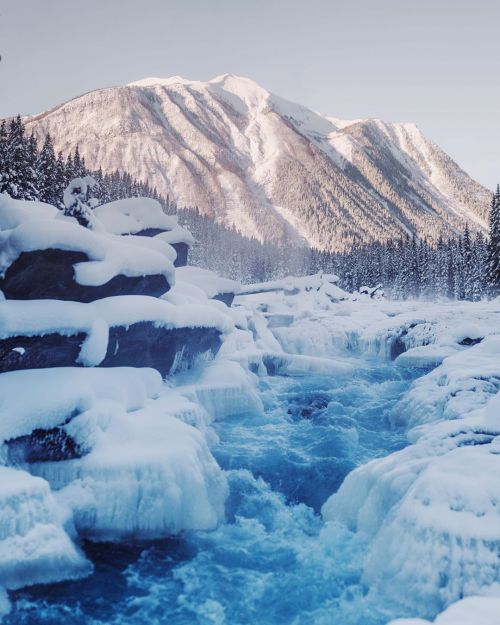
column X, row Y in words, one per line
column 47, row 169
column 493, row 269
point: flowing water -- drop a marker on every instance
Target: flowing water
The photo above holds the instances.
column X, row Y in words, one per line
column 274, row 561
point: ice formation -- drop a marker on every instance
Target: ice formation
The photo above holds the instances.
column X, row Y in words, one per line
column 34, row 544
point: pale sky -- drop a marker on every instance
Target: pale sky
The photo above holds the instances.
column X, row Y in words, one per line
column 436, row 63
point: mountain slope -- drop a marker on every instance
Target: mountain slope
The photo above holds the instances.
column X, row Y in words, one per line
column 273, row 169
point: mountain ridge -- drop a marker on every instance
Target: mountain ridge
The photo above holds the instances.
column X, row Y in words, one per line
column 273, row 169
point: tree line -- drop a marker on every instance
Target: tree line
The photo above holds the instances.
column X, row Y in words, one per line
column 464, row 267
column 29, row 171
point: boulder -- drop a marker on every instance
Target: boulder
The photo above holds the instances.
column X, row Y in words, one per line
column 50, row 274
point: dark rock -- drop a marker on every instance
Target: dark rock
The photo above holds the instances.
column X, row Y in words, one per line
column 182, row 250
column 141, row 344
column 49, row 274
column 227, row 298
column 49, row 445
column 167, row 350
column 468, row 341
column 38, row 352
column 397, row 347
column 147, row 232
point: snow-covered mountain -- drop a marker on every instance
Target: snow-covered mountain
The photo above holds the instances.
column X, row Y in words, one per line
column 273, row 169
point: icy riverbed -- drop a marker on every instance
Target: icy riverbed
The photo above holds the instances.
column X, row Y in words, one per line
column 274, row 560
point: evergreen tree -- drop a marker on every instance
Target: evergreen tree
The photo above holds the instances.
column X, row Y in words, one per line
column 47, row 166
column 3, row 156
column 493, row 266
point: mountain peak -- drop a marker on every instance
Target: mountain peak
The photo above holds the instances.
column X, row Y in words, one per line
column 153, row 81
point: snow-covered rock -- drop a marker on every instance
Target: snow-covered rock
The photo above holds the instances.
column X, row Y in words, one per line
column 34, row 545
column 57, row 395
column 431, row 509
column 145, row 217
column 58, row 259
column 113, row 331
column 210, row 283
column 149, row 475
column 134, row 215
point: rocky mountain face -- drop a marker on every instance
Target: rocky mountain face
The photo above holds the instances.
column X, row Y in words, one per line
column 273, row 169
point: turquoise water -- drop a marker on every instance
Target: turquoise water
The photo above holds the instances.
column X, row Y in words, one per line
column 274, row 562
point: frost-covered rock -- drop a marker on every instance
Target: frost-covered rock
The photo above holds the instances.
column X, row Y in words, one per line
column 149, row 475
column 431, row 512
column 34, row 546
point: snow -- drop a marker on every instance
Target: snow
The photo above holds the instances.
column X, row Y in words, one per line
column 149, row 475
column 55, row 395
column 15, row 212
column 41, row 317
column 427, row 514
column 132, row 215
column 208, row 281
column 469, row 611
column 34, row 546
column 108, row 256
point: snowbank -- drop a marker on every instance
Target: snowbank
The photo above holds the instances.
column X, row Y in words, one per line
column 34, row 546
column 430, row 511
column 470, row 611
column 45, row 398
column 208, row 281
column 131, row 215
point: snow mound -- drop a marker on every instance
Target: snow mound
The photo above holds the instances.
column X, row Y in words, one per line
column 149, row 475
column 470, row 611
column 56, row 395
column 34, row 546
column 208, row 281
column 132, row 215
column 15, row 212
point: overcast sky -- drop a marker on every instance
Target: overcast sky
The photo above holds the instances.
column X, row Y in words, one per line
column 433, row 62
